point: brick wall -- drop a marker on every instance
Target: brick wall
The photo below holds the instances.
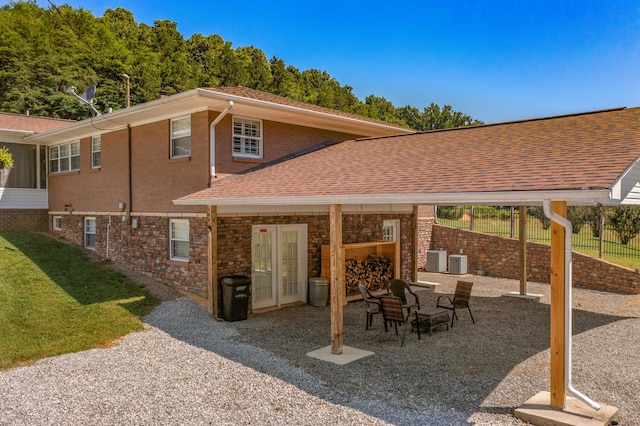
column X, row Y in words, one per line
column 499, row 258
column 34, row 220
column 146, row 249
column 234, row 239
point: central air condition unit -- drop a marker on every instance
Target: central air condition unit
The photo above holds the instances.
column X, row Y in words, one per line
column 436, row 261
column 457, row 264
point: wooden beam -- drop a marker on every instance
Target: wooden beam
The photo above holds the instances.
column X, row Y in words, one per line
column 212, row 261
column 557, row 390
column 337, row 286
column 522, row 235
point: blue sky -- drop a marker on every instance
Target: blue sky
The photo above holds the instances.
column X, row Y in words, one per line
column 494, row 60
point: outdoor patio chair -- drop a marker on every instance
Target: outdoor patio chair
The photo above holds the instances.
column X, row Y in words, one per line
column 372, row 304
column 460, row 300
column 400, row 288
column 393, row 313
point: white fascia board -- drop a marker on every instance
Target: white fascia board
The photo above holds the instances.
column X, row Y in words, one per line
column 304, row 111
column 459, row 198
column 117, row 120
column 16, row 132
column 616, row 188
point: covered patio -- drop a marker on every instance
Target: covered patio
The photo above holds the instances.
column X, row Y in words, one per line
column 579, row 159
column 476, row 373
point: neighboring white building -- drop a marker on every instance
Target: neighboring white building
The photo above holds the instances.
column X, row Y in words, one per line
column 23, row 188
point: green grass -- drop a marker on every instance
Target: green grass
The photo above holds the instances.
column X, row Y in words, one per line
column 583, row 242
column 55, row 300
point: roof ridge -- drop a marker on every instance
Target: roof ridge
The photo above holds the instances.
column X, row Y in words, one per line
column 502, row 123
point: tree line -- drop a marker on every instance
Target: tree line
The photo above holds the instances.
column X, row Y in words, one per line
column 44, row 51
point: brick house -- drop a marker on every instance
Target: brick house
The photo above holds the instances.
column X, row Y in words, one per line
column 113, row 178
column 23, row 188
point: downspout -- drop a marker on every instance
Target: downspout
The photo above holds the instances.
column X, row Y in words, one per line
column 212, row 141
column 130, row 207
column 108, row 231
column 568, row 332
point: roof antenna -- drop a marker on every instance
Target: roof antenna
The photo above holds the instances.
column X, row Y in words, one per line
column 86, row 98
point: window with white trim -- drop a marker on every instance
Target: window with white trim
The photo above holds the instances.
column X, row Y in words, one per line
column 90, row 232
column 247, row 137
column 391, row 230
column 96, row 152
column 65, row 157
column 57, row 223
column 179, row 239
column 181, row 137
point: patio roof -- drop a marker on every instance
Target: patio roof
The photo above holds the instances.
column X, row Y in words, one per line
column 580, row 158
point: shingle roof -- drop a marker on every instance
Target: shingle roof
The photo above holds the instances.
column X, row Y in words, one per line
column 29, row 123
column 248, row 93
column 576, row 152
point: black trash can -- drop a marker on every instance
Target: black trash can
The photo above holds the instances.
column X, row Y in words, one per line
column 235, row 297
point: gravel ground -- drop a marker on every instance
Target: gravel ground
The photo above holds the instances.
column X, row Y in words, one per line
column 187, row 368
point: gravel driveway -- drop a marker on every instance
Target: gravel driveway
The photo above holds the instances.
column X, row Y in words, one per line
column 187, row 368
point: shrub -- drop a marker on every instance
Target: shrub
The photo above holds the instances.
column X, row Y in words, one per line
column 6, row 159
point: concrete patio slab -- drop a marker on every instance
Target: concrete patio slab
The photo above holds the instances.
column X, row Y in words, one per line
column 538, row 411
column 427, row 285
column 348, row 355
column 530, row 296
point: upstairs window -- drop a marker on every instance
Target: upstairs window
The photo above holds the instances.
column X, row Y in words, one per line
column 181, row 137
column 96, row 150
column 247, row 138
column 65, row 157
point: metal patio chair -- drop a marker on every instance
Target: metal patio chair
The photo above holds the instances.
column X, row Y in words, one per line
column 460, row 300
column 372, row 304
column 393, row 313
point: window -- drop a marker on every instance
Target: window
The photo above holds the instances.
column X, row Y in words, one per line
column 65, row 157
column 247, row 138
column 57, row 223
column 90, row 232
column 391, row 230
column 181, row 137
column 96, row 150
column 179, row 239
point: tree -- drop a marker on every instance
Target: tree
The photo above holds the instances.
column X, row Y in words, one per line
column 538, row 213
column 625, row 221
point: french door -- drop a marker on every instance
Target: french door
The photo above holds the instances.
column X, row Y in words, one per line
column 278, row 264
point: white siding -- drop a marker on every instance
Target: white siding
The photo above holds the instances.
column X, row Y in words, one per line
column 17, row 198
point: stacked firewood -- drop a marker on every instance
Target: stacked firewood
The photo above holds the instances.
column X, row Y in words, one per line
column 374, row 272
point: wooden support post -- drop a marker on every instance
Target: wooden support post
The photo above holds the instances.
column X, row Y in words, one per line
column 558, row 391
column 212, row 261
column 416, row 248
column 522, row 235
column 337, row 286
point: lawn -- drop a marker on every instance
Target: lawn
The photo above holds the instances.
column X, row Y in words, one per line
column 54, row 299
column 582, row 242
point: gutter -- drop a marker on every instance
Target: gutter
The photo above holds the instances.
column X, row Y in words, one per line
column 528, row 198
column 568, row 332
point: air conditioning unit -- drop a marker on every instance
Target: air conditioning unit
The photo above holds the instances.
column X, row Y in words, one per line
column 458, row 264
column 436, row 261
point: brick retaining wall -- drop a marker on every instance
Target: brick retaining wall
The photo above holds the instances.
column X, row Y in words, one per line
column 34, row 220
column 498, row 256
